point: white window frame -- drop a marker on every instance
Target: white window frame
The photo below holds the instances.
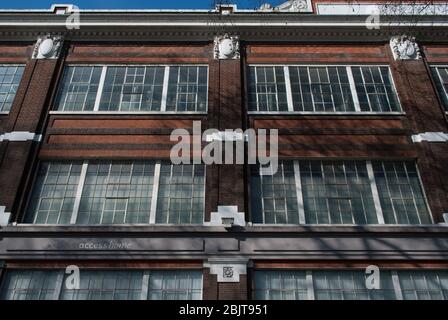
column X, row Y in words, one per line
column 3, row 112
column 164, row 91
column 145, row 279
column 437, row 66
column 373, row 188
column 153, row 207
column 395, row 279
column 352, row 87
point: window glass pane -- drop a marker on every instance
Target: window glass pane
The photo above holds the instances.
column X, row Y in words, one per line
column 283, row 285
column 267, row 89
column 440, row 76
column 181, row 194
column 273, row 197
column 187, row 89
column 132, row 89
column 10, row 76
column 78, row 88
column 117, row 192
column 54, row 192
column 175, row 285
column 400, row 192
column 321, row 89
column 375, row 89
column 424, row 285
column 337, row 192
column 29, row 285
column 350, row 285
column 106, row 285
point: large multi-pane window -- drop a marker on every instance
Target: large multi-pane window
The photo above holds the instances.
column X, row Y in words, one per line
column 134, row 88
column 339, row 192
column 350, row 285
column 440, row 75
column 267, row 89
column 321, row 89
column 103, row 285
column 400, row 193
column 10, row 76
column 117, row 192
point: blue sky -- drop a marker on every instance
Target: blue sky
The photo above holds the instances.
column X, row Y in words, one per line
column 131, row 4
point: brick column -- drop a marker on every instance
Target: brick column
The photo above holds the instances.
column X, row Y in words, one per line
column 231, row 177
column 424, row 114
column 233, row 291
column 26, row 123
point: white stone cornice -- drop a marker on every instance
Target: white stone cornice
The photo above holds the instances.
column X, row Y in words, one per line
column 20, row 136
column 430, row 137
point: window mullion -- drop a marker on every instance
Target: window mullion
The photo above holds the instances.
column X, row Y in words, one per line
column 155, row 192
column 165, row 89
column 441, row 82
column 397, row 286
column 145, row 286
column 375, row 194
column 79, row 190
column 58, row 285
column 100, row 89
column 299, row 192
column 288, row 89
column 351, row 81
column 309, row 285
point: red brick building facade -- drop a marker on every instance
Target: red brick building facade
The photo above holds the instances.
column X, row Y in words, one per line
column 294, row 249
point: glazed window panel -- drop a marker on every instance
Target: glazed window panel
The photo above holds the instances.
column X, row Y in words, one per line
column 187, row 89
column 321, row 89
column 181, row 194
column 29, row 285
column 337, row 192
column 440, row 76
column 351, row 285
column 10, row 77
column 274, row 199
column 375, row 89
column 400, row 193
column 117, row 193
column 79, row 88
column 54, row 193
column 284, row 285
column 175, row 285
column 102, row 285
column 267, row 89
column 424, row 285
column 106, row 285
column 132, row 89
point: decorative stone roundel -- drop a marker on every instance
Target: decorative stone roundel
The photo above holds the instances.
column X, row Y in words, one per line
column 405, row 48
column 47, row 47
column 227, row 47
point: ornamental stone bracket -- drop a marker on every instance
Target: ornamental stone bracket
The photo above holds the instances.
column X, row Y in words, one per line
column 405, row 48
column 227, row 269
column 227, row 47
column 288, row 6
column 4, row 217
column 48, row 47
column 227, row 216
